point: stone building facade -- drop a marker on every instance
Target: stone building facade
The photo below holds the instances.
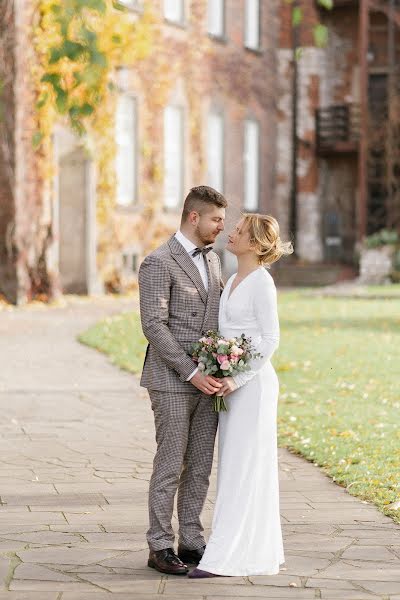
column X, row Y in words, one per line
column 213, row 104
column 200, row 109
column 333, row 127
column 211, row 123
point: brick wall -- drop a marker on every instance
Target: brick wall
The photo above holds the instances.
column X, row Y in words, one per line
column 325, row 76
column 205, row 72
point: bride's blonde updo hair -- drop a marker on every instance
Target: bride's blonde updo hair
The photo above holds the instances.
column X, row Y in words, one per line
column 264, row 238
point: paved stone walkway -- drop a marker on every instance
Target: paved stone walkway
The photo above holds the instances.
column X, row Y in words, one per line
column 76, row 447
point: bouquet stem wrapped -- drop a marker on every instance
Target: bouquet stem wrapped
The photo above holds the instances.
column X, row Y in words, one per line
column 222, row 357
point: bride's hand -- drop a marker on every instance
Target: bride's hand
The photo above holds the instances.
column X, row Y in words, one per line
column 228, row 386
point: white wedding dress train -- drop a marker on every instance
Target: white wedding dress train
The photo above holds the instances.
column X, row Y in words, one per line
column 246, row 536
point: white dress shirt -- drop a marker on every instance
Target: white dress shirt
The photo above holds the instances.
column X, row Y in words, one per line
column 198, row 260
column 200, row 264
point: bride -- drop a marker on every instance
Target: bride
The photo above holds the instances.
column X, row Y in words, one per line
column 246, row 536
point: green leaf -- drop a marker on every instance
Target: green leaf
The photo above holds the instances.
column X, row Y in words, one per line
column 55, row 55
column 80, row 110
column 42, row 100
column 96, row 5
column 53, row 78
column 298, row 53
column 78, row 127
column 297, row 16
column 320, row 35
column 37, row 139
column 91, row 75
column 328, row 4
column 61, row 100
column 99, row 58
column 73, row 50
column 88, row 35
column 55, row 9
column 86, row 109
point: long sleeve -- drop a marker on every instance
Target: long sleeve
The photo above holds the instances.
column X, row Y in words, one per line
column 266, row 314
column 154, row 288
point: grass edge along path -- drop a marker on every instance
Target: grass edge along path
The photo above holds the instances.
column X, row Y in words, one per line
column 339, row 398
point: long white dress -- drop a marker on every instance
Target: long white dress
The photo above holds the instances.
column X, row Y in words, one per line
column 246, row 536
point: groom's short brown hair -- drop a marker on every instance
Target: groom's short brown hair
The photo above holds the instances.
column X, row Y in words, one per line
column 201, row 196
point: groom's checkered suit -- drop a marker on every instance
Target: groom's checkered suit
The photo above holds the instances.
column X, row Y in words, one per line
column 176, row 310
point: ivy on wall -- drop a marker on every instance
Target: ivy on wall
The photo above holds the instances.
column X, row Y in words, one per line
column 320, row 31
column 79, row 46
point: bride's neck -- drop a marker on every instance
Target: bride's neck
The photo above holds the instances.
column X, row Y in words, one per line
column 246, row 264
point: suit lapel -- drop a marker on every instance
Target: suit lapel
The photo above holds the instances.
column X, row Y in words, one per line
column 213, row 284
column 186, row 263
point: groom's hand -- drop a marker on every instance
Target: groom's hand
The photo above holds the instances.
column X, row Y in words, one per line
column 206, row 383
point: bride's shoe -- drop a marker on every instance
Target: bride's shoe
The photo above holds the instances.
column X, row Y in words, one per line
column 199, row 574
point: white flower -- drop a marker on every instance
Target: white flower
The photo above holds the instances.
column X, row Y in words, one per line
column 221, row 342
column 201, row 366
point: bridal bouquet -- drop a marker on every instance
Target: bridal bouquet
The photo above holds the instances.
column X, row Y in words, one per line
column 220, row 357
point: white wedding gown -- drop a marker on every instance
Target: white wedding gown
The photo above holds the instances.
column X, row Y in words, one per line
column 246, row 536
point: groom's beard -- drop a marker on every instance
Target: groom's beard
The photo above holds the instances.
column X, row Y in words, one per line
column 206, row 238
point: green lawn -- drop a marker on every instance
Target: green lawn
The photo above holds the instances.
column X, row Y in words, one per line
column 339, row 369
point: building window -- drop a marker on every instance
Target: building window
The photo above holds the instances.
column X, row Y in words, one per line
column 174, row 10
column 252, row 26
column 215, row 151
column 130, row 260
column 251, row 164
column 132, row 4
column 126, row 157
column 173, row 156
column 216, row 17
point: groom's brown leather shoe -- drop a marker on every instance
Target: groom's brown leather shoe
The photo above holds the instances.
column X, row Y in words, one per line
column 166, row 561
column 192, row 557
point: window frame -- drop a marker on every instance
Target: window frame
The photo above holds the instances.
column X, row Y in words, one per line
column 221, row 37
column 258, row 48
column 177, row 22
column 218, row 113
column 181, row 161
column 256, row 208
column 135, row 170
column 132, row 5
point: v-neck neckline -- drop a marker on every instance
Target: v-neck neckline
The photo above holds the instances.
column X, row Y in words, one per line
column 230, row 291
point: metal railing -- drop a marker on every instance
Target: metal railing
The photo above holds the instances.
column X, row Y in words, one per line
column 338, row 128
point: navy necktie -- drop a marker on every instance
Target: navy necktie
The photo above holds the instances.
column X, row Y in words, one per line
column 204, row 251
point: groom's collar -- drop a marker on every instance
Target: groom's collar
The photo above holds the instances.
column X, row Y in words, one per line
column 184, row 241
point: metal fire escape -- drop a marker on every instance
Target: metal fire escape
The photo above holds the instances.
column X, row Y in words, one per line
column 371, row 129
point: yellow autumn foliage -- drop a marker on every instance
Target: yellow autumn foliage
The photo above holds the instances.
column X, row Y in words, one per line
column 78, row 53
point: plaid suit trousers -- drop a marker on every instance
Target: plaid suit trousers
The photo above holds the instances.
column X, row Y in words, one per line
column 185, row 433
column 176, row 310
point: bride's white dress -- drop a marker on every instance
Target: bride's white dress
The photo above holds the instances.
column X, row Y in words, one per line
column 246, row 536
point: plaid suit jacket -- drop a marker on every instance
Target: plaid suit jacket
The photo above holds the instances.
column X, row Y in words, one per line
column 175, row 310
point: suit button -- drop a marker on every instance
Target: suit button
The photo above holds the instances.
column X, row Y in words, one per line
column 194, row 314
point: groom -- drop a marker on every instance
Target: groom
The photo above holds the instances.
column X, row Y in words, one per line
column 180, row 286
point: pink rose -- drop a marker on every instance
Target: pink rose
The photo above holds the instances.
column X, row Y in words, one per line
column 225, row 365
column 222, row 358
